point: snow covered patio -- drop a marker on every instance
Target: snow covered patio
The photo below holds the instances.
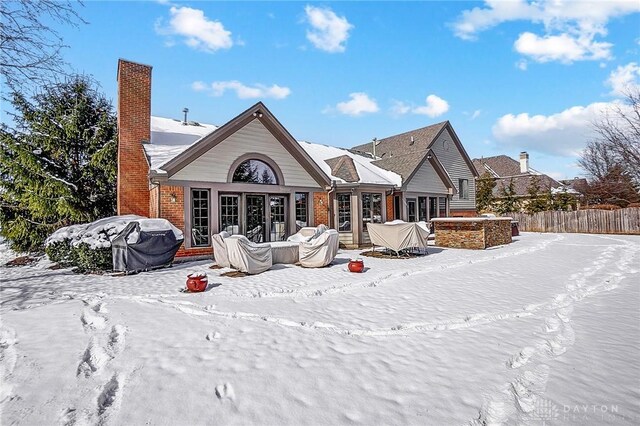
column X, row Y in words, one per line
column 544, row 329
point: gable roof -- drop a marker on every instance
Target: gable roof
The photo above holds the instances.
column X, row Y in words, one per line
column 170, row 138
column 344, row 168
column 405, row 153
column 256, row 112
column 521, row 184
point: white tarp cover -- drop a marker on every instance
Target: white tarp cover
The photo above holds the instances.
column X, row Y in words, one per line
column 220, row 249
column 246, row 256
column 307, row 233
column 398, row 236
column 319, row 251
column 285, row 252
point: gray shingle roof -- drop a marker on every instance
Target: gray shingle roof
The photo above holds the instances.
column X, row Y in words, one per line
column 401, row 154
column 343, row 168
column 501, row 164
column 521, row 184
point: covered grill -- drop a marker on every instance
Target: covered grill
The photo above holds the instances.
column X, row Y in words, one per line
column 145, row 244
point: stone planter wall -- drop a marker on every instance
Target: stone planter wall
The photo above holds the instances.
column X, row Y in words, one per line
column 472, row 233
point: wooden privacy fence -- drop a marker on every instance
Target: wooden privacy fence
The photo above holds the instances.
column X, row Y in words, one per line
column 623, row 221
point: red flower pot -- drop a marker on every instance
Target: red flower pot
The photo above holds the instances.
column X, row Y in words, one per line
column 197, row 282
column 356, row 265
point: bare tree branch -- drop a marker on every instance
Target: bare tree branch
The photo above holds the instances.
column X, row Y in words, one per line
column 30, row 46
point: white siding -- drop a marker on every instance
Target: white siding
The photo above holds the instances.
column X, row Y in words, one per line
column 426, row 179
column 213, row 166
column 454, row 164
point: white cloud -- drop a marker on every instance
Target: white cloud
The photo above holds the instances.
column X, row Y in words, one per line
column 624, row 78
column 434, row 107
column 564, row 133
column 329, row 32
column 198, row 31
column 360, row 103
column 399, row 108
column 476, row 114
column 218, row 88
column 522, row 65
column 570, row 26
column 563, row 48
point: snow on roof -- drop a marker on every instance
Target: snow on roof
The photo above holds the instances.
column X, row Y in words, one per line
column 170, row 137
column 368, row 172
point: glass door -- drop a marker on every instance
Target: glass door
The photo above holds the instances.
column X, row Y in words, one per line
column 278, row 224
column 255, row 218
column 411, row 210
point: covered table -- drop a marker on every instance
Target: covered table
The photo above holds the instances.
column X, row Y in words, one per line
column 286, row 252
column 398, row 235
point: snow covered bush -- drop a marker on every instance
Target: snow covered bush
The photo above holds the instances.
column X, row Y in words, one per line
column 87, row 246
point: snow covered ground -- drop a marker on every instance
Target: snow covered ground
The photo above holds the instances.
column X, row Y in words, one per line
column 544, row 330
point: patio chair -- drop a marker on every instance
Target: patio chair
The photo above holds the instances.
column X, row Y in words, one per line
column 220, row 249
column 319, row 251
column 246, row 256
column 307, row 233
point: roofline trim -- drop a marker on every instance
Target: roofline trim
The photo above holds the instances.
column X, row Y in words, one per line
column 220, row 134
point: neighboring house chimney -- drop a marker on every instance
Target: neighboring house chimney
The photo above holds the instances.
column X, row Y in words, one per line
column 134, row 129
column 524, row 162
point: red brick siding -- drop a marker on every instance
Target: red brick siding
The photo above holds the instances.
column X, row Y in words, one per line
column 154, row 193
column 134, row 127
column 172, row 211
column 389, row 207
column 320, row 208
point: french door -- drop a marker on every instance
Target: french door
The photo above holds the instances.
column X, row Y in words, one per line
column 255, row 218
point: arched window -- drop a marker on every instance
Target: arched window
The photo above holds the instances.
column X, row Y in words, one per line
column 255, row 171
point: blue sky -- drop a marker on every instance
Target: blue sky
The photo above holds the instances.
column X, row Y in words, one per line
column 509, row 75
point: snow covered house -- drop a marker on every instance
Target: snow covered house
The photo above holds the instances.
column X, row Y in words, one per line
column 251, row 176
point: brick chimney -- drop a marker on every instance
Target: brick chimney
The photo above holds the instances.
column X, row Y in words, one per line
column 134, row 129
column 524, row 162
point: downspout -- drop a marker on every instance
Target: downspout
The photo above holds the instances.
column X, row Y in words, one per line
column 330, row 204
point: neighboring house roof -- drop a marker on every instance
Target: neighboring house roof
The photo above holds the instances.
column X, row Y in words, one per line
column 327, row 156
column 404, row 153
column 505, row 169
column 578, row 185
column 170, row 139
column 521, row 184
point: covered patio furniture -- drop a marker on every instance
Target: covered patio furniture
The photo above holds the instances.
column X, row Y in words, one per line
column 220, row 249
column 399, row 235
column 319, row 251
column 246, row 256
column 145, row 244
column 285, row 252
column 304, row 234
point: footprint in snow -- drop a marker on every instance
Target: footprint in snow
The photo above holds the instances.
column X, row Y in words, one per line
column 116, row 342
column 92, row 321
column 521, row 358
column 109, row 398
column 213, row 336
column 225, row 391
column 93, row 359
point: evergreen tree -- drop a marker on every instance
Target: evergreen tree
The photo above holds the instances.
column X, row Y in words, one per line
column 484, row 192
column 58, row 162
column 564, row 201
column 536, row 201
column 509, row 201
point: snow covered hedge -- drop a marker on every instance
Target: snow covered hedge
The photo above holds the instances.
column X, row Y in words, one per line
column 87, row 246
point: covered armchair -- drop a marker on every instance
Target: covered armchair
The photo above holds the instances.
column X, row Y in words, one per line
column 307, row 233
column 220, row 249
column 320, row 251
column 246, row 256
